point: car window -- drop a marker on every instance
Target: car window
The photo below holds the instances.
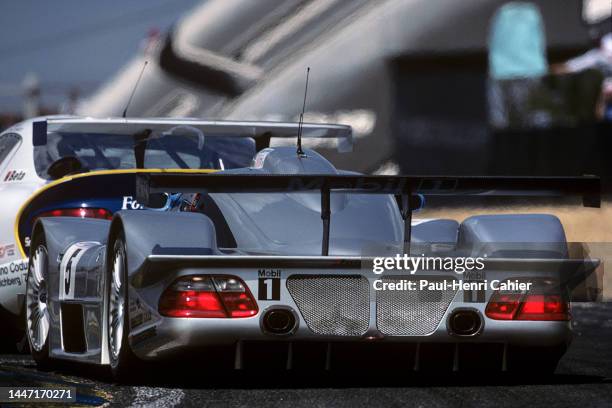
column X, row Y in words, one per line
column 8, row 143
column 180, row 150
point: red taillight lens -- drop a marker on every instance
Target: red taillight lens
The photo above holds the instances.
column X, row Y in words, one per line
column 239, row 304
column 503, row 306
column 83, row 212
column 537, row 304
column 191, row 304
column 208, row 296
column 544, row 307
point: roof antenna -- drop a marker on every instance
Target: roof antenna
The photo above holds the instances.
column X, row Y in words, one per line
column 134, row 90
column 299, row 151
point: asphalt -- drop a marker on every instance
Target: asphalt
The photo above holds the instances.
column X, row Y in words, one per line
column 583, row 378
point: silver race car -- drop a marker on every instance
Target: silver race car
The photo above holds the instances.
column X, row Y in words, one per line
column 279, row 264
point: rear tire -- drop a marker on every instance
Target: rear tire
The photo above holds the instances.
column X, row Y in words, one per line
column 37, row 319
column 122, row 359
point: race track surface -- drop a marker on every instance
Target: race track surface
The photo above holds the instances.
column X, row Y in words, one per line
column 583, row 378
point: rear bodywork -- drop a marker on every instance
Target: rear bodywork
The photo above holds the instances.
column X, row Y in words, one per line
column 301, row 236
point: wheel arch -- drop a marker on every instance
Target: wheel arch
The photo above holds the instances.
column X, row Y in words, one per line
column 150, row 232
column 144, row 232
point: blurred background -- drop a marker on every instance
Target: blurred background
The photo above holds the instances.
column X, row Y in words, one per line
column 466, row 87
column 428, row 86
column 53, row 54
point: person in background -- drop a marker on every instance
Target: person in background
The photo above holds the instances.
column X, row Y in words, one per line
column 517, row 64
column 600, row 59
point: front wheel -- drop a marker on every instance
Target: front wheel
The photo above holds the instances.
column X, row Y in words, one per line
column 122, row 359
column 37, row 301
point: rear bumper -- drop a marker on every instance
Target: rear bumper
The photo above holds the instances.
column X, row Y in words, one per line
column 175, row 336
column 362, row 321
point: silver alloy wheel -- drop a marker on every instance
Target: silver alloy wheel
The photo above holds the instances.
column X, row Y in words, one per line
column 37, row 312
column 116, row 306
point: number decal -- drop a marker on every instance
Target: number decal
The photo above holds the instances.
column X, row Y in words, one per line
column 68, row 271
column 269, row 284
column 68, row 268
column 474, row 296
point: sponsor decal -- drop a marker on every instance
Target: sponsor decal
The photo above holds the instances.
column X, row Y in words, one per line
column 476, row 295
column 68, row 267
column 13, row 273
column 16, row 281
column 129, row 203
column 14, row 175
column 139, row 312
column 269, row 284
column 7, row 250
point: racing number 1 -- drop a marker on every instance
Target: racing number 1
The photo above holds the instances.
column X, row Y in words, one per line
column 68, row 272
column 269, row 284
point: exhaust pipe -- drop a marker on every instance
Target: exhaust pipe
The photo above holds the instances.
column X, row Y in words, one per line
column 465, row 322
column 279, row 321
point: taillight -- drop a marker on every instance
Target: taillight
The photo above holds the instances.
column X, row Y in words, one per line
column 536, row 304
column 83, row 212
column 208, row 296
column 503, row 306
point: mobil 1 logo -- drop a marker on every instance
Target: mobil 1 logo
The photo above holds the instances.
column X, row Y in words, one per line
column 269, row 284
column 474, row 296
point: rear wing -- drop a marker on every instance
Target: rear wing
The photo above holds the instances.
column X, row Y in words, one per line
column 408, row 189
column 261, row 131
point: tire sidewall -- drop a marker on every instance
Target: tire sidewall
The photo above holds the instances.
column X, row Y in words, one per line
column 125, row 358
column 41, row 357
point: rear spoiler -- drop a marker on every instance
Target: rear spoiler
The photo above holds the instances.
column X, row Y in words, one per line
column 261, row 131
column 407, row 188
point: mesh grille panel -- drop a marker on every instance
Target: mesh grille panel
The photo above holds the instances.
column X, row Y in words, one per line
column 411, row 312
column 332, row 305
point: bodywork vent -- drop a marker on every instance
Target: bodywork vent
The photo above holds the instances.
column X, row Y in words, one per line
column 411, row 312
column 332, row 305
